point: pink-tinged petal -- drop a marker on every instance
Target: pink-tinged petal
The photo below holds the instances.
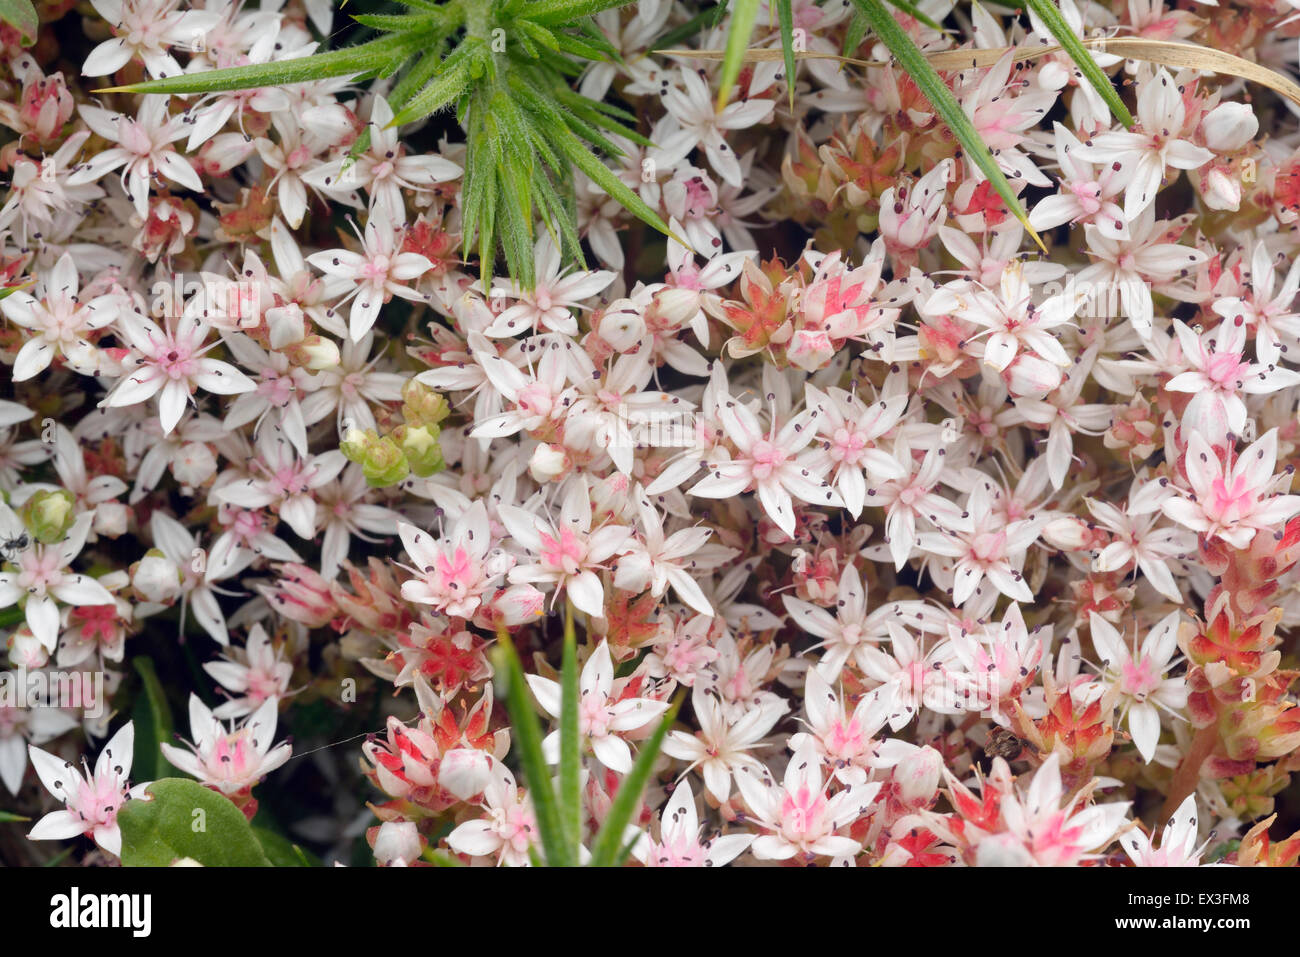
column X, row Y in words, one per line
column 1144, row 725
column 475, row 838
column 43, row 619
column 547, row 693
column 81, row 590
column 613, row 752
column 57, row 826
column 586, row 593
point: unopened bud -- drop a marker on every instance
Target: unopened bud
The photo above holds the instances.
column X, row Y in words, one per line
column 48, row 515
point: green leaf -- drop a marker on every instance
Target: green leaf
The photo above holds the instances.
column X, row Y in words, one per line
column 570, row 739
column 527, row 735
column 945, row 104
column 280, row 851
column 743, row 15
column 551, row 12
column 395, row 23
column 1047, row 11
column 5, row 293
column 785, row 13
column 185, row 819
column 385, row 54
column 604, row 177
column 854, row 33
column 21, row 14
column 450, row 84
column 7, row 817
column 610, row 848
column 153, row 724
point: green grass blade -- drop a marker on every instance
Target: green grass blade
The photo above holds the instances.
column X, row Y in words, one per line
column 527, row 734
column 1047, row 11
column 609, row 843
column 570, row 742
column 945, row 104
column 855, row 33
column 743, row 15
column 785, row 14
column 366, row 58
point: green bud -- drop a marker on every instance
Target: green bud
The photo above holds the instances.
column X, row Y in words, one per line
column 380, row 458
column 420, row 446
column 49, row 515
column 422, row 406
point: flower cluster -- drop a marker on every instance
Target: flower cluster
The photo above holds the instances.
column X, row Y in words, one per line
column 958, row 550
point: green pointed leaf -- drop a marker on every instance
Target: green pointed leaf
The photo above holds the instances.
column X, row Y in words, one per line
column 855, row 33
column 450, row 84
column 395, row 23
column 608, row 850
column 785, row 14
column 185, row 819
column 743, row 15
column 8, row 817
column 153, row 724
column 1050, row 14
column 604, row 177
column 527, row 736
column 22, row 15
column 945, row 104
column 280, row 851
column 570, row 739
column 551, row 12
column 385, row 54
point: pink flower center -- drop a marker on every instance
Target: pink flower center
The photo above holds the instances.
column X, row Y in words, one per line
column 767, row 458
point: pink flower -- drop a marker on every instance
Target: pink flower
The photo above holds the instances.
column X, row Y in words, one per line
column 172, row 364
column 603, row 717
column 799, row 814
column 91, row 799
column 1236, row 501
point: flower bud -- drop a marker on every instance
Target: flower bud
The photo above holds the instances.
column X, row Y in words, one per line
column 1067, row 534
column 49, row 515
column 111, row 519
column 381, row 460
column 397, row 844
column 464, row 772
column 917, row 776
column 25, row 651
column 1229, row 126
column 422, row 406
column 156, row 578
column 548, row 463
column 314, row 353
column 194, row 464
column 420, row 446
column 1031, row 376
column 286, row 325
column 1220, row 189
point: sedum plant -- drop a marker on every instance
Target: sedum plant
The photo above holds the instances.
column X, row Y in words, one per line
column 505, row 67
